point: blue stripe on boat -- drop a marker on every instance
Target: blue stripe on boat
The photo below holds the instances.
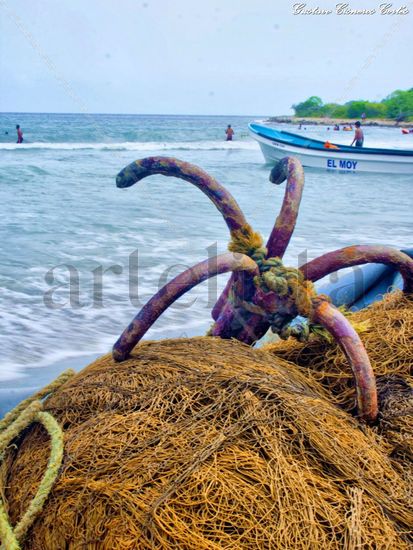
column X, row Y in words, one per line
column 308, row 143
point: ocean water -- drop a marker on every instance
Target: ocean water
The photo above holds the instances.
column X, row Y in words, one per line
column 79, row 257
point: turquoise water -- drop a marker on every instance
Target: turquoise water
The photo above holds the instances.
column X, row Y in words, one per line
column 61, row 214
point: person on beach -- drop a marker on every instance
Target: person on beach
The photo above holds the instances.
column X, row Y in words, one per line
column 358, row 135
column 19, row 134
column 230, row 132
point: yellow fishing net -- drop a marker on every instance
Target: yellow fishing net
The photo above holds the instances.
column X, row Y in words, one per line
column 387, row 335
column 208, row 444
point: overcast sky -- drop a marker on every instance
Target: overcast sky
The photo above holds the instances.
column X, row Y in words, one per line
column 196, row 56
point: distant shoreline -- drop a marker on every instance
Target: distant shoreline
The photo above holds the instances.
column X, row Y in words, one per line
column 386, row 123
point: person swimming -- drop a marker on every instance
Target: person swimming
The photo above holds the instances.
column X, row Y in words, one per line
column 19, row 134
column 358, row 135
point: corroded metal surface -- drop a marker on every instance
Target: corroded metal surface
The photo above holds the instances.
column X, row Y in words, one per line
column 348, row 339
column 253, row 328
column 358, row 255
column 288, row 168
column 172, row 291
column 262, row 293
column 168, row 166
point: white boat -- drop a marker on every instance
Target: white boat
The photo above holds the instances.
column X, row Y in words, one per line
column 276, row 144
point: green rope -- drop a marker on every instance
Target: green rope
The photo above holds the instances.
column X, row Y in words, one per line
column 21, row 422
column 14, row 413
column 300, row 331
column 9, row 536
column 52, row 469
column 6, row 531
column 246, row 241
column 12, row 425
column 286, row 282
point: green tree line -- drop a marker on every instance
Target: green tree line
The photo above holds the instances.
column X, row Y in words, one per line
column 398, row 106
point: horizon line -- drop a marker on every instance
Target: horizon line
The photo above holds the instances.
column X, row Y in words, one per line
column 126, row 114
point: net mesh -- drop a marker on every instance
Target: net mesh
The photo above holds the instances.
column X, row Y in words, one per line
column 205, row 443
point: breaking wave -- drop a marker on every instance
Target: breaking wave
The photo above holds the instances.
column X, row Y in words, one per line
column 137, row 146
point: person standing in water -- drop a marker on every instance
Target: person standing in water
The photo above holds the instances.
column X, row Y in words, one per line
column 358, row 135
column 19, row 134
column 230, row 132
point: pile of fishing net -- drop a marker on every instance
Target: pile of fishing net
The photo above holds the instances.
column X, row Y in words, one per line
column 386, row 329
column 206, row 443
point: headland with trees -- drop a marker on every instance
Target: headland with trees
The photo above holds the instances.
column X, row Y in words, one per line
column 395, row 109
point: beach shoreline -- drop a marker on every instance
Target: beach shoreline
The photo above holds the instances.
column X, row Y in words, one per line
column 101, row 252
column 32, row 379
column 318, row 121
column 29, row 380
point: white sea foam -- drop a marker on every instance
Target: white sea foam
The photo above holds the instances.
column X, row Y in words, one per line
column 55, row 214
column 137, row 146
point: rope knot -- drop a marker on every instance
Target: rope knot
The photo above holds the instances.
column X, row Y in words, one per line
column 247, row 241
column 286, row 282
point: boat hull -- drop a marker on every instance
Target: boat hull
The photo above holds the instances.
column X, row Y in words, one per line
column 331, row 160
